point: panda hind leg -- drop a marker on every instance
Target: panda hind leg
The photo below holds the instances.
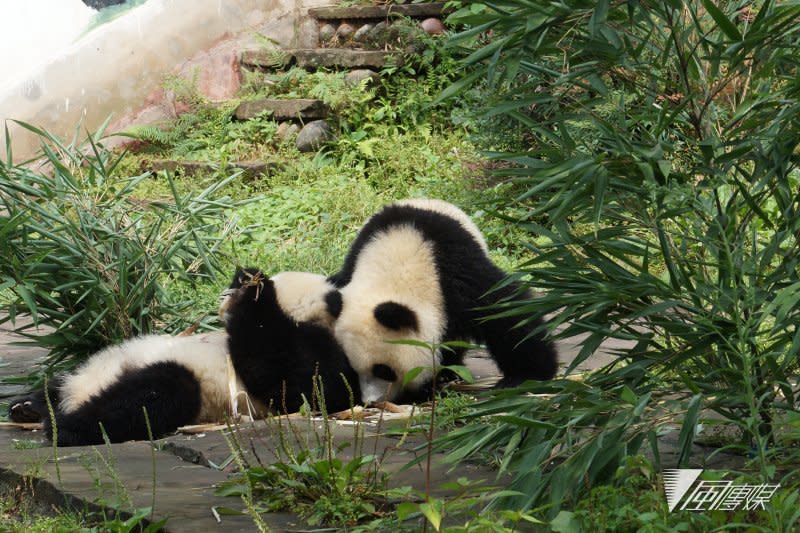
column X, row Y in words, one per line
column 167, row 390
column 521, row 352
column 451, row 356
column 33, row 407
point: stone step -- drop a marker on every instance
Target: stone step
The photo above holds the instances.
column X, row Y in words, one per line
column 192, row 168
column 290, row 109
column 432, row 9
column 321, row 57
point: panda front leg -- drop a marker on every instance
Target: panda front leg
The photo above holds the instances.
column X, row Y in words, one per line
column 521, row 351
column 259, row 335
column 168, row 391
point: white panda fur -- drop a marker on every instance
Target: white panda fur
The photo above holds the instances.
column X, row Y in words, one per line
column 419, row 270
column 205, row 354
column 397, row 267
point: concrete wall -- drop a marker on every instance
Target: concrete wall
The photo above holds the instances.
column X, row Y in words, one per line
column 117, row 67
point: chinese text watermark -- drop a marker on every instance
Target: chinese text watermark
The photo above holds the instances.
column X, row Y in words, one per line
column 684, row 492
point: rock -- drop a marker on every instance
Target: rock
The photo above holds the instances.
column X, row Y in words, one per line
column 326, row 33
column 100, row 4
column 388, row 9
column 289, row 109
column 216, row 71
column 355, row 77
column 362, row 33
column 345, row 31
column 286, row 130
column 432, row 26
column 386, row 34
column 313, row 136
column 379, row 32
column 343, row 58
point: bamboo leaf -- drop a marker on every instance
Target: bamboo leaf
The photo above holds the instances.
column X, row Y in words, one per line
column 724, row 23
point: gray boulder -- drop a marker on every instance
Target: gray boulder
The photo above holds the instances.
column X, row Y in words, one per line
column 313, row 136
column 326, row 32
column 355, row 77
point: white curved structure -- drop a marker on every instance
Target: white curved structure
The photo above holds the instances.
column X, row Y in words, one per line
column 115, row 67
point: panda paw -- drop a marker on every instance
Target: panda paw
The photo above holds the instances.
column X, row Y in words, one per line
column 509, row 382
column 24, row 410
column 249, row 301
column 252, row 286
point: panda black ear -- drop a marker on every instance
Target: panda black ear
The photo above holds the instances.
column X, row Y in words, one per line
column 396, row 316
column 333, row 301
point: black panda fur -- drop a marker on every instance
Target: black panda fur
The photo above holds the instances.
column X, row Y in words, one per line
column 182, row 380
column 419, row 269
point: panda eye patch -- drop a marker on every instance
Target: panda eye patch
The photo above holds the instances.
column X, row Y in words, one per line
column 396, row 316
column 384, row 372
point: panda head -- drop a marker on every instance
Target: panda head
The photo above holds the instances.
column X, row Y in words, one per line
column 302, row 295
column 373, row 338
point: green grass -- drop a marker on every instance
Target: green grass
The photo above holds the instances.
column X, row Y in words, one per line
column 16, row 517
column 18, row 514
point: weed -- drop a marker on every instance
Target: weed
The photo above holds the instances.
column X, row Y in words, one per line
column 315, row 482
column 26, row 444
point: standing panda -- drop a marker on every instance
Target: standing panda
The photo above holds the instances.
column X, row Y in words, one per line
column 183, row 380
column 419, row 269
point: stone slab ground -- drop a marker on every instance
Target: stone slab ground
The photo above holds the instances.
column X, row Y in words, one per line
column 183, row 465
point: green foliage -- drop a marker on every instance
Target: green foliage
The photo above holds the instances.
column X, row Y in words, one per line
column 18, row 514
column 466, row 503
column 323, row 491
column 655, row 171
column 309, row 212
column 14, row 519
column 330, row 87
column 203, row 130
column 311, row 478
column 90, row 262
column 136, row 522
column 633, row 502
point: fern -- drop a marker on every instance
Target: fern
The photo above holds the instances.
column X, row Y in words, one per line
column 151, row 134
column 277, row 57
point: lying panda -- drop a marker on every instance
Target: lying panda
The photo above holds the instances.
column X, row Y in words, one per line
column 187, row 380
column 419, row 269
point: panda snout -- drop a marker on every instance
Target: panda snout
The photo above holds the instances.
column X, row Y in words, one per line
column 384, row 372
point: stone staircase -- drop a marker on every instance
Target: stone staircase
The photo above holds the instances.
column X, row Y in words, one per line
column 361, row 40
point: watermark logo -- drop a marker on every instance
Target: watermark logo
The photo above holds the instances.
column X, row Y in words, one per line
column 713, row 495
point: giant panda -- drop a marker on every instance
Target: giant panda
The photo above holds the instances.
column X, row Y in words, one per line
column 419, row 270
column 183, row 380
